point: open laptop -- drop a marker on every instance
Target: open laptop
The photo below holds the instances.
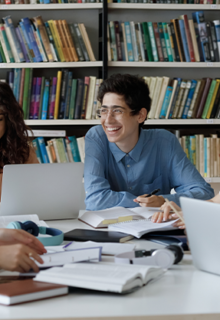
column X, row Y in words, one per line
column 52, row 191
column 202, row 221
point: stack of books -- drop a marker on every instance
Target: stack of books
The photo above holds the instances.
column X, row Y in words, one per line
column 180, row 40
column 60, row 150
column 60, row 97
column 204, row 153
column 32, row 40
column 184, row 99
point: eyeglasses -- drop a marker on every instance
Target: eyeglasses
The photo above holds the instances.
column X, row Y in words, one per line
column 114, row 112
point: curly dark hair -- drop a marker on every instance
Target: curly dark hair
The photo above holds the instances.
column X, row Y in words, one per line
column 14, row 145
column 133, row 88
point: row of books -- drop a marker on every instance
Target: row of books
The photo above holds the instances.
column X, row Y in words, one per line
column 60, row 150
column 60, row 97
column 180, row 40
column 35, row 41
column 204, row 153
column 46, row 1
column 184, row 99
column 168, row 1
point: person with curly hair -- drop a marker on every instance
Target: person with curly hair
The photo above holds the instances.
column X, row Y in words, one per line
column 15, row 145
column 124, row 163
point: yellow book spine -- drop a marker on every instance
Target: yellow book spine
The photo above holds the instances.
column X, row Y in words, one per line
column 56, row 40
column 57, row 99
column 213, row 99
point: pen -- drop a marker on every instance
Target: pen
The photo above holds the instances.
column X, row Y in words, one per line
column 177, row 212
column 67, row 245
column 152, row 193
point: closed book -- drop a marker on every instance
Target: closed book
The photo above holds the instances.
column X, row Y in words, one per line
column 167, row 42
column 61, row 150
column 52, row 42
column 209, row 98
column 199, row 44
column 166, row 100
column 7, row 44
column 41, row 97
column 36, row 105
column 68, row 93
column 162, row 40
column 161, row 97
column 55, row 36
column 189, row 99
column 95, row 101
column 74, row 148
column 214, row 41
column 37, row 150
column 90, row 99
column 217, row 32
column 140, row 39
column 136, row 51
column 113, row 41
column 147, row 41
column 198, row 98
column 192, row 105
column 76, row 42
column 184, row 40
column 158, row 42
column 97, row 236
column 129, row 41
column 64, row 83
column 203, row 98
column 21, row 93
column 69, row 40
column 45, row 102
column 194, row 42
column 183, row 100
column 171, row 41
column 53, row 98
column 118, row 42
column 61, row 40
column 85, row 97
column 58, row 90
column 25, row 96
column 65, row 41
column 81, row 41
column 211, row 45
column 79, row 98
column 216, row 104
column 23, row 47
column 38, row 39
column 175, row 83
column 124, row 43
column 213, row 98
column 152, row 41
column 73, row 98
column 176, row 93
column 25, row 40
column 86, row 41
column 155, row 97
column 178, row 39
column 16, row 292
column 81, row 146
column 188, row 37
column 29, row 91
column 43, row 150
column 179, row 99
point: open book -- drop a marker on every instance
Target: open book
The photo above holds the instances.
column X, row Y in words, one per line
column 110, row 277
column 140, row 227
column 102, row 218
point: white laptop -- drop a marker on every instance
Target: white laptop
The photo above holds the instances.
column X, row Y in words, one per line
column 52, row 191
column 202, row 220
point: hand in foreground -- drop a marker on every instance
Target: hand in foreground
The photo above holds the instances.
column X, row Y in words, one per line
column 168, row 214
column 18, row 258
column 12, row 236
column 152, row 201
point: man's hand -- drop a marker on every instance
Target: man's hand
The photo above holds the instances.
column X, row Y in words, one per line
column 13, row 236
column 168, row 214
column 152, row 201
column 18, row 257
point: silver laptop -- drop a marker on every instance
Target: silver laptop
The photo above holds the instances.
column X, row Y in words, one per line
column 202, row 225
column 52, row 191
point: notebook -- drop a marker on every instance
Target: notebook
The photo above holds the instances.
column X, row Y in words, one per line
column 101, row 276
column 52, row 191
column 28, row 290
column 202, row 221
column 103, row 218
column 140, row 227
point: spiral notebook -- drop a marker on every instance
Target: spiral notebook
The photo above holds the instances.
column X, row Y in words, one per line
column 139, row 227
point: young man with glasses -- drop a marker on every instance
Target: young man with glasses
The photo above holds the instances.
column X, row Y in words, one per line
column 124, row 163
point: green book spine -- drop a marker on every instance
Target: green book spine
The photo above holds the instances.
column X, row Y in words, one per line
column 167, row 42
column 113, row 40
column 2, row 53
column 73, row 98
column 41, row 97
column 147, row 41
column 29, row 91
column 8, row 47
column 152, row 41
column 25, row 95
column 208, row 100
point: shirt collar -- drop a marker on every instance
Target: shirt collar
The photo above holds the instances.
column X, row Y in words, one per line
column 134, row 153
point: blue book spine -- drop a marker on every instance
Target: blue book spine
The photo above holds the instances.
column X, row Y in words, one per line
column 45, row 100
column 74, row 149
column 17, row 92
column 162, row 41
column 128, row 41
column 43, row 150
column 166, row 102
column 167, row 42
column 203, row 36
column 21, row 24
column 152, row 41
column 189, row 99
column 205, row 157
column 31, row 40
column 16, row 83
column 8, row 22
column 175, row 97
column 22, row 45
column 37, row 150
column 184, row 40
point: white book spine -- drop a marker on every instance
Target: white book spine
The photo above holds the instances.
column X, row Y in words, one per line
column 161, row 98
column 134, row 41
column 90, row 100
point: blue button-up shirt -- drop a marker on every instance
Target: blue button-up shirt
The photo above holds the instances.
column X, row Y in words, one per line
column 114, row 178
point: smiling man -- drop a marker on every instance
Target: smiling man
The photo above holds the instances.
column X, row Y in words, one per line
column 124, row 163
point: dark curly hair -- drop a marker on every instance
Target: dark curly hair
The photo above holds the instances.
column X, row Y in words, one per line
column 133, row 88
column 14, row 144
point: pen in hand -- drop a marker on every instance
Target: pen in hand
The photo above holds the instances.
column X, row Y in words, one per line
column 152, row 193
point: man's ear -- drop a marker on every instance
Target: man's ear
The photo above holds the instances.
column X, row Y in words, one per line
column 142, row 115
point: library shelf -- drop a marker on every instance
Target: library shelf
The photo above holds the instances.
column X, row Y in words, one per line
column 165, row 6
column 164, row 64
column 42, row 65
column 62, row 6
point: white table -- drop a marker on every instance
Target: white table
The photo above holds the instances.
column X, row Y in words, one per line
column 182, row 293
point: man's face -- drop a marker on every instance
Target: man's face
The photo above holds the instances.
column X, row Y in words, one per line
column 2, row 125
column 121, row 128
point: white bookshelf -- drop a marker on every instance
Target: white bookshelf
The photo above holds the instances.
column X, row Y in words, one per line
column 147, row 64
column 61, row 6
column 164, row 6
column 43, row 65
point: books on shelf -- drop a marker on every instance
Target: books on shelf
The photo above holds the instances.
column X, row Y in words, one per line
column 58, row 150
column 29, row 290
column 204, row 153
column 34, row 40
column 48, row 2
column 103, row 218
column 180, row 39
column 59, row 97
column 101, row 276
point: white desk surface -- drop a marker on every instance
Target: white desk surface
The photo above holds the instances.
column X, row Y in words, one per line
column 181, row 293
